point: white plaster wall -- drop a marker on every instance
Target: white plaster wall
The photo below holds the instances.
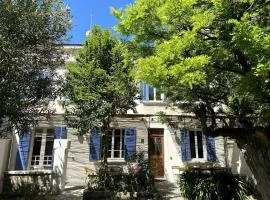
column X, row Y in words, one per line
column 4, row 158
column 13, row 153
column 172, row 155
column 237, row 161
column 153, row 107
column 220, row 153
column 60, row 147
column 78, row 158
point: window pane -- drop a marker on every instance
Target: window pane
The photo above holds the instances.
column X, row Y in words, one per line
column 158, row 146
column 50, row 131
column 158, row 95
column 151, row 146
column 192, row 144
column 123, row 143
column 117, row 145
column 109, row 143
column 151, row 93
column 117, row 139
column 200, row 144
column 37, row 145
column 49, row 146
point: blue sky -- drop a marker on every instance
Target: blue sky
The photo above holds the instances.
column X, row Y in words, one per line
column 81, row 11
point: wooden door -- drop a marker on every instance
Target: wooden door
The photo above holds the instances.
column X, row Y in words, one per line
column 156, row 152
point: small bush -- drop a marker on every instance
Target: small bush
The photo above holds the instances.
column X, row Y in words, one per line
column 221, row 185
column 138, row 178
column 34, row 186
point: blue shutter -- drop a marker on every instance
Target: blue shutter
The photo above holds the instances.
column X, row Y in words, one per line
column 23, row 151
column 185, row 146
column 143, row 91
column 60, row 132
column 94, row 145
column 210, row 145
column 130, row 143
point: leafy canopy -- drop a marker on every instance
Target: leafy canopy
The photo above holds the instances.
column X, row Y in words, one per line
column 31, row 34
column 99, row 83
column 208, row 53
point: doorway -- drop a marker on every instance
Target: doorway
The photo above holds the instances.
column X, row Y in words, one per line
column 156, row 151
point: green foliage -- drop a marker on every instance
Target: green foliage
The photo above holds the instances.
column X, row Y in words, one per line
column 210, row 58
column 34, row 186
column 138, row 178
column 99, row 83
column 208, row 51
column 31, row 35
column 196, row 185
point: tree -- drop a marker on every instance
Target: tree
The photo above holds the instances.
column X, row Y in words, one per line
column 99, row 85
column 214, row 56
column 31, row 35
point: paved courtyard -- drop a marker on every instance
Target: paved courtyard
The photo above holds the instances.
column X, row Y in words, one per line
column 166, row 190
column 70, row 193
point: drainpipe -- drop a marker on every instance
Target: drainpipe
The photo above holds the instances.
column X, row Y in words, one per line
column 226, row 152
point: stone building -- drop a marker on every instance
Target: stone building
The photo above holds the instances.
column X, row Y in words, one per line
column 169, row 146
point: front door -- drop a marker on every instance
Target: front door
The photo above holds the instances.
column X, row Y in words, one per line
column 156, row 151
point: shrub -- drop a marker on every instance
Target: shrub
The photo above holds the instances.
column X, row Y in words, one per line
column 33, row 186
column 137, row 178
column 220, row 185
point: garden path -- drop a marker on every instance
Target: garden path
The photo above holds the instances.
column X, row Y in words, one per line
column 70, row 193
column 168, row 190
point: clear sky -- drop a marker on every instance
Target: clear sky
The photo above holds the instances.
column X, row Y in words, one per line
column 81, row 11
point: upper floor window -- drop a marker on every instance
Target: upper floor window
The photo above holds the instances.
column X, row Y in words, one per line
column 149, row 93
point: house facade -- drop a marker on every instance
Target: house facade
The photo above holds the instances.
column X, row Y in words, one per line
column 169, row 146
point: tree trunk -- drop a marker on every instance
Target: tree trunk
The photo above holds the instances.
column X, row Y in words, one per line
column 104, row 164
column 257, row 156
column 256, row 146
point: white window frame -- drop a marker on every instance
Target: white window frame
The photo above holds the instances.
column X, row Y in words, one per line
column 197, row 159
column 45, row 161
column 146, row 92
column 122, row 151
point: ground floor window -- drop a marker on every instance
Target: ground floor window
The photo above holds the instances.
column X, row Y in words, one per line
column 121, row 144
column 196, row 144
column 42, row 154
column 116, row 143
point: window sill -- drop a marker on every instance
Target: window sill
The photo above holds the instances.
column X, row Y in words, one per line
column 116, row 160
column 154, row 103
column 29, row 172
column 199, row 163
